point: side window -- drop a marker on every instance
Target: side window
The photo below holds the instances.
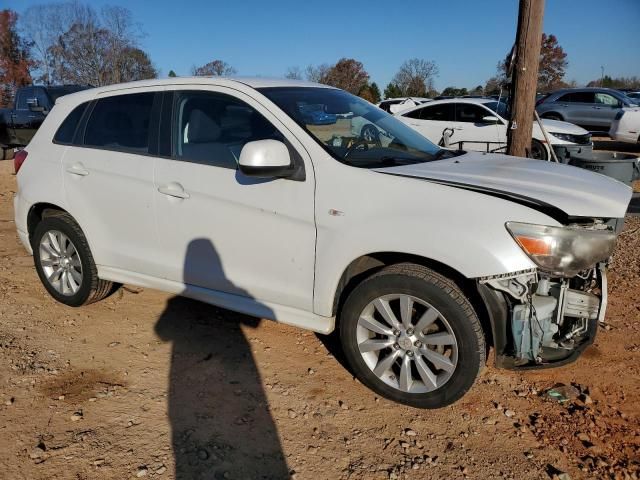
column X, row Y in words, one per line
column 212, row 128
column 21, row 98
column 67, row 130
column 121, row 123
column 577, row 97
column 443, row 112
column 417, row 114
column 470, row 113
column 606, row 99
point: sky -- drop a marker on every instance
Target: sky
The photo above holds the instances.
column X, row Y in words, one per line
column 466, row 39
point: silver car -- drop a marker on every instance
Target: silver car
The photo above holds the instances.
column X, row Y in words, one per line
column 591, row 108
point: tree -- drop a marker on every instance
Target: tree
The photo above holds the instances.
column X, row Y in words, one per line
column 318, row 73
column 392, row 91
column 415, row 77
column 293, row 73
column 375, row 92
column 172, row 74
column 454, row 92
column 216, row 68
column 551, row 68
column 618, row 82
column 347, row 74
column 494, row 86
column 477, row 91
column 15, row 58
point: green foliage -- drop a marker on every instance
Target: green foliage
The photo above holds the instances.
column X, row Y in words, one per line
column 454, row 92
column 172, row 74
column 392, row 91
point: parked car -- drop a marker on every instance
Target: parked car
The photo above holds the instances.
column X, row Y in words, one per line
column 316, row 115
column 626, row 126
column 634, row 96
column 592, row 108
column 217, row 189
column 481, row 124
column 32, row 104
column 393, row 105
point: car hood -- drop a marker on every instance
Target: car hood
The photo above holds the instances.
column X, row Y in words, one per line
column 549, row 187
column 560, row 127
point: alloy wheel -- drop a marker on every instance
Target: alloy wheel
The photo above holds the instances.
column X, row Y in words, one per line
column 60, row 262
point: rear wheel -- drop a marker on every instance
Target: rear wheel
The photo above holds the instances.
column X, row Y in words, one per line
column 64, row 262
column 411, row 336
column 538, row 150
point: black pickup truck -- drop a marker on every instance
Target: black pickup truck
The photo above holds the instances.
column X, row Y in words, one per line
column 32, row 104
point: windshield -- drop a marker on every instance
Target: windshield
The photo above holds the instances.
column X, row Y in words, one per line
column 352, row 130
column 500, row 108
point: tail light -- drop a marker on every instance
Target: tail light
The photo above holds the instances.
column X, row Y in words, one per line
column 18, row 159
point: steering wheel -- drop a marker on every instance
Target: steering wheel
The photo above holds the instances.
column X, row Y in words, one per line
column 359, row 144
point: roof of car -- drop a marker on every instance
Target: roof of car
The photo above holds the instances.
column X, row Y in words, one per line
column 253, row 82
column 585, row 89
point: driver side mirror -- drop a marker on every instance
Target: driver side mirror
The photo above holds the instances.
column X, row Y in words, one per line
column 266, row 159
column 34, row 106
column 490, row 119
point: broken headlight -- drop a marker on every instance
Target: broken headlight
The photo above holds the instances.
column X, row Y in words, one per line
column 563, row 251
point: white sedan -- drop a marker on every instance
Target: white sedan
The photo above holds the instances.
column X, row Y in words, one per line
column 626, row 125
column 481, row 124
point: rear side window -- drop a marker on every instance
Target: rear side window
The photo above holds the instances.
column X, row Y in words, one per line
column 212, row 128
column 121, row 123
column 67, row 130
column 443, row 112
column 577, row 97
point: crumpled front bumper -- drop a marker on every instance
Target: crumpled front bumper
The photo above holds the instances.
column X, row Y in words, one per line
column 500, row 306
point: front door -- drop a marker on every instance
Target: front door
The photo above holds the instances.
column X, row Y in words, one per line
column 476, row 133
column 432, row 121
column 220, row 229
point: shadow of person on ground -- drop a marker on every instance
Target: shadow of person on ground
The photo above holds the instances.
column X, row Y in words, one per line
column 220, row 421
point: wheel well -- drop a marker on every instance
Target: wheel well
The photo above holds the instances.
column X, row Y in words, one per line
column 38, row 212
column 554, row 114
column 367, row 265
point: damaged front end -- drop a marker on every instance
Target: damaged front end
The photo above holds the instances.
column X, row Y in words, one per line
column 547, row 316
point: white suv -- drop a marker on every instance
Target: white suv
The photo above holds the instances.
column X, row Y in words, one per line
column 229, row 192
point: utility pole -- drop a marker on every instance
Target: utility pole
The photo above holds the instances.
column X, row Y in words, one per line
column 524, row 79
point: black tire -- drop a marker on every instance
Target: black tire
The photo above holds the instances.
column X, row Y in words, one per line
column 441, row 293
column 7, row 153
column 538, row 150
column 553, row 116
column 92, row 288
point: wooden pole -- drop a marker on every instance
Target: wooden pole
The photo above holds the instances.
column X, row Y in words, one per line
column 525, row 76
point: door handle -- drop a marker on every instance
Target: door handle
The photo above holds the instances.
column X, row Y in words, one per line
column 78, row 169
column 173, row 191
column 597, row 108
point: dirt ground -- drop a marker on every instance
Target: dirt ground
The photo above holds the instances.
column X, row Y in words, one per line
column 145, row 384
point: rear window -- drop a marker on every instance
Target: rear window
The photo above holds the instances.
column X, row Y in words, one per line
column 121, row 123
column 67, row 130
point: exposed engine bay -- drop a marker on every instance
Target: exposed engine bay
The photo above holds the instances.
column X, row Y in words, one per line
column 551, row 317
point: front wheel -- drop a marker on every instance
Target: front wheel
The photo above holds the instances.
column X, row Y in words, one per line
column 538, row 150
column 412, row 336
column 64, row 262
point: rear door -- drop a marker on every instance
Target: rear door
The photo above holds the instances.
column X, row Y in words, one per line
column 219, row 229
column 108, row 180
column 577, row 107
column 432, row 120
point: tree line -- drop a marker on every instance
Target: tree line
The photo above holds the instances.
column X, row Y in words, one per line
column 73, row 43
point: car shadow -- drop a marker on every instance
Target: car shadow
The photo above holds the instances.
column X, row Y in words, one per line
column 221, row 426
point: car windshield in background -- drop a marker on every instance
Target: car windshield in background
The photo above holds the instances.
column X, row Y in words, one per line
column 354, row 131
column 500, row 108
